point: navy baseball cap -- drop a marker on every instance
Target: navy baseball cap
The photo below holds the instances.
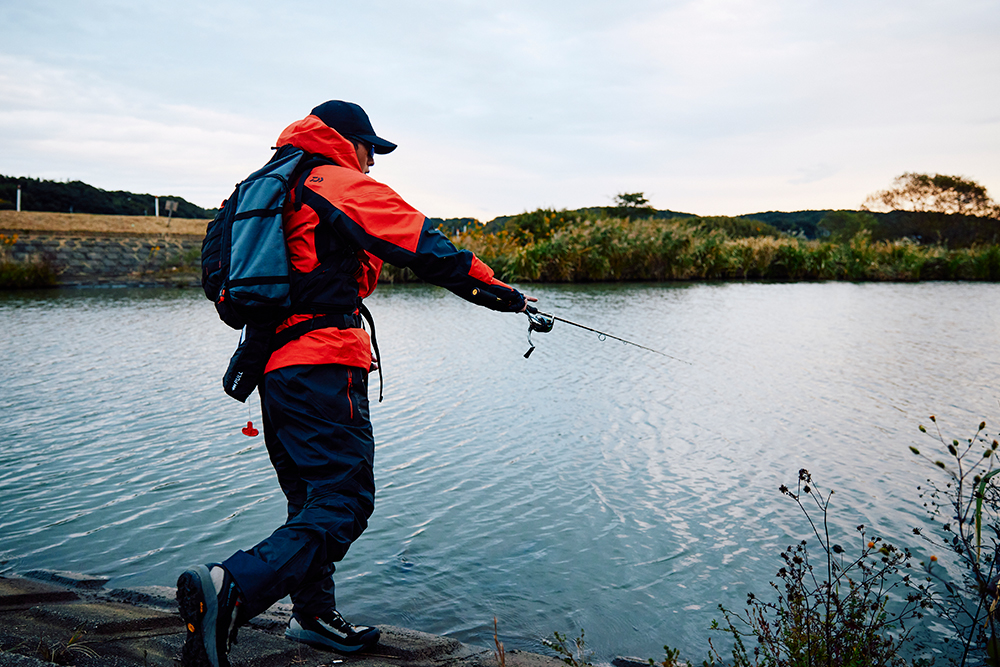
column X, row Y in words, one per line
column 352, row 122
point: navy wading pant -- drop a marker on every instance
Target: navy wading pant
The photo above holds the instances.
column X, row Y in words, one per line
column 319, row 438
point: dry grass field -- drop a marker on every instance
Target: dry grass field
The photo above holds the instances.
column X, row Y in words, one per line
column 38, row 221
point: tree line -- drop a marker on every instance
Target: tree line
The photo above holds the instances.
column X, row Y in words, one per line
column 952, row 211
column 942, row 228
column 927, row 209
column 78, row 197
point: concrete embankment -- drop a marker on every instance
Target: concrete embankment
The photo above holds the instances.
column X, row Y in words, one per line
column 85, row 249
column 51, row 617
column 96, row 258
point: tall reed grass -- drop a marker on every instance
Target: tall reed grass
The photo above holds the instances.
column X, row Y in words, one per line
column 614, row 249
column 23, row 274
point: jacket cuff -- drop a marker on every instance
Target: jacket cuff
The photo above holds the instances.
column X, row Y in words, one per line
column 500, row 298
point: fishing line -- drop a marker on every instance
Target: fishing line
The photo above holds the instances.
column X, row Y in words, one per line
column 543, row 323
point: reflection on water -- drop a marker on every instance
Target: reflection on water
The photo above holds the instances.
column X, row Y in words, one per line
column 593, row 485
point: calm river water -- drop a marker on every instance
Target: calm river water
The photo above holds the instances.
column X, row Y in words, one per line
column 594, row 485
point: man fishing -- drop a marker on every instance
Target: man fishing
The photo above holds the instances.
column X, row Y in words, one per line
column 340, row 225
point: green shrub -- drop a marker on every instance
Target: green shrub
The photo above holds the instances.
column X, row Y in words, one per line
column 540, row 224
column 574, row 651
column 842, row 226
column 26, row 275
column 586, row 248
column 735, row 228
column 963, row 501
column 837, row 611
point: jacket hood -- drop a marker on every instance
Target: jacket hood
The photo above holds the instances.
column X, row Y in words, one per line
column 314, row 136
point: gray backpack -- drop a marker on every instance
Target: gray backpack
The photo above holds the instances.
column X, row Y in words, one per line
column 244, row 261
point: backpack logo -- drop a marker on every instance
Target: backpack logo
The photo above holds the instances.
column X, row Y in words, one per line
column 316, row 179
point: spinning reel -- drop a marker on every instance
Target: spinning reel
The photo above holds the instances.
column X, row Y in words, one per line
column 537, row 321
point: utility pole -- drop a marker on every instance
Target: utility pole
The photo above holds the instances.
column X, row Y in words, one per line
column 156, row 202
column 19, row 199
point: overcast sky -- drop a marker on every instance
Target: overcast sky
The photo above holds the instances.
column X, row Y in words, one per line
column 707, row 106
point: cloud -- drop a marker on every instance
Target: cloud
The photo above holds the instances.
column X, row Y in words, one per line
column 714, row 106
column 59, row 125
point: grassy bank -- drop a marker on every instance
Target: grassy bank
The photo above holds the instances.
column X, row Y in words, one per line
column 43, row 221
column 611, row 249
column 552, row 246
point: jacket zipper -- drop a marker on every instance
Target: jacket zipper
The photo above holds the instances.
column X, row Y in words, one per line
column 350, row 379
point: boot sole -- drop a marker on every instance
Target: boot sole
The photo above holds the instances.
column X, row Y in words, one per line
column 198, row 605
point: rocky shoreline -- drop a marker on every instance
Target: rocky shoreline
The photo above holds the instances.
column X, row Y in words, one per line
column 49, row 617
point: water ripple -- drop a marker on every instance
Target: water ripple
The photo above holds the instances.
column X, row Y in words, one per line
column 594, row 485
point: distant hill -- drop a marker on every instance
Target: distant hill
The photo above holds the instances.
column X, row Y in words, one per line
column 924, row 227
column 927, row 227
column 78, row 197
column 951, row 229
column 795, row 222
column 498, row 223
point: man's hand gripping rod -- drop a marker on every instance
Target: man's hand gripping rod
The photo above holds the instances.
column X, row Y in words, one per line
column 543, row 323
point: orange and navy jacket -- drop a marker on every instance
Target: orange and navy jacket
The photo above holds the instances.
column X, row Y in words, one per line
column 340, row 226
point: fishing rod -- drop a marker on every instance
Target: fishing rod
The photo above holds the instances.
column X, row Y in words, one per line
column 543, row 323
